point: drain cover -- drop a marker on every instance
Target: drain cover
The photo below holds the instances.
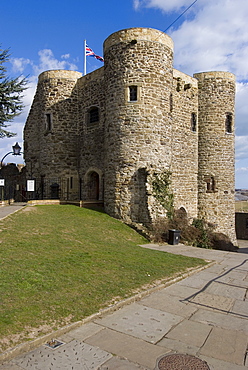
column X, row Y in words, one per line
column 54, row 343
column 180, row 362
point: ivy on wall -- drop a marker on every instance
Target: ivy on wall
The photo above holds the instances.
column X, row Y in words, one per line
column 161, row 191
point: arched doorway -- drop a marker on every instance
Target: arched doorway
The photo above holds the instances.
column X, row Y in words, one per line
column 93, row 186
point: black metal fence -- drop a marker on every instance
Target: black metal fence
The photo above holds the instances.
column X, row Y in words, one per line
column 53, row 188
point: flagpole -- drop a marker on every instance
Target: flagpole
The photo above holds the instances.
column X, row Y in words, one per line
column 84, row 57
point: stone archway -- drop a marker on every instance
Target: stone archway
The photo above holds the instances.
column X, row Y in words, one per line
column 93, row 186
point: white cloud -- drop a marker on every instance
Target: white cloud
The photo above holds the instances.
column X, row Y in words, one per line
column 241, row 145
column 242, row 169
column 19, row 64
column 136, row 4
column 217, row 38
column 164, row 5
column 65, row 56
column 242, row 109
column 241, row 176
column 47, row 62
column 214, row 37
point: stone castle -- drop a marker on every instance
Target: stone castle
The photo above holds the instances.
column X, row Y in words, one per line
column 108, row 134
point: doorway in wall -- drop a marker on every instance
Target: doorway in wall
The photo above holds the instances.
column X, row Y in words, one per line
column 93, row 186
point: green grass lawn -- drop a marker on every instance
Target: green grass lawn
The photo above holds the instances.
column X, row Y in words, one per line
column 59, row 264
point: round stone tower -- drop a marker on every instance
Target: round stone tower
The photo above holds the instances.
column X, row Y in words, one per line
column 216, row 174
column 51, row 127
column 139, row 75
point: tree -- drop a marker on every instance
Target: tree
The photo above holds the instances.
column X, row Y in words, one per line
column 10, row 96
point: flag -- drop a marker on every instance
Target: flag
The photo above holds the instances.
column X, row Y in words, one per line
column 90, row 53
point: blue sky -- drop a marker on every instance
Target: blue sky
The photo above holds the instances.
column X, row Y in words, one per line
column 49, row 34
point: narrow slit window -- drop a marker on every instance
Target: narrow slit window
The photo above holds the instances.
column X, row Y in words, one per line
column 229, row 123
column 193, row 121
column 133, row 93
column 171, row 103
column 48, row 121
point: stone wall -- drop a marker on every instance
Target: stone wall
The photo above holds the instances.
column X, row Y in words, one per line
column 91, row 94
column 184, row 164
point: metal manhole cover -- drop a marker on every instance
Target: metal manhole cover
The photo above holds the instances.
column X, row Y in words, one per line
column 180, row 362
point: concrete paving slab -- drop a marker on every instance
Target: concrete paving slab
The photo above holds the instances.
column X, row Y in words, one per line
column 10, row 367
column 178, row 346
column 142, row 322
column 226, row 345
column 228, row 277
column 215, row 364
column 193, row 282
column 81, row 333
column 135, row 350
column 117, row 363
column 213, row 302
column 226, row 290
column 164, row 302
column 222, row 320
column 239, row 283
column 76, row 355
column 180, row 291
column 208, row 276
column 240, row 308
column 235, row 264
column 216, row 268
column 239, row 275
column 190, row 332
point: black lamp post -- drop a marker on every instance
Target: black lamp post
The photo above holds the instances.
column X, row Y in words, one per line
column 16, row 151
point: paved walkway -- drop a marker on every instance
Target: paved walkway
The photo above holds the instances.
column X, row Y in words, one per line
column 8, row 209
column 204, row 315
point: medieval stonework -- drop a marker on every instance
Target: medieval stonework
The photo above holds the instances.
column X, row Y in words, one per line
column 104, row 136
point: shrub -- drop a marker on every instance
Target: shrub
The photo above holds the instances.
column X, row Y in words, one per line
column 205, row 230
column 221, row 241
column 198, row 233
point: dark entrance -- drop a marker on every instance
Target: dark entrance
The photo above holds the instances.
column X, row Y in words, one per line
column 54, row 191
column 93, row 186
